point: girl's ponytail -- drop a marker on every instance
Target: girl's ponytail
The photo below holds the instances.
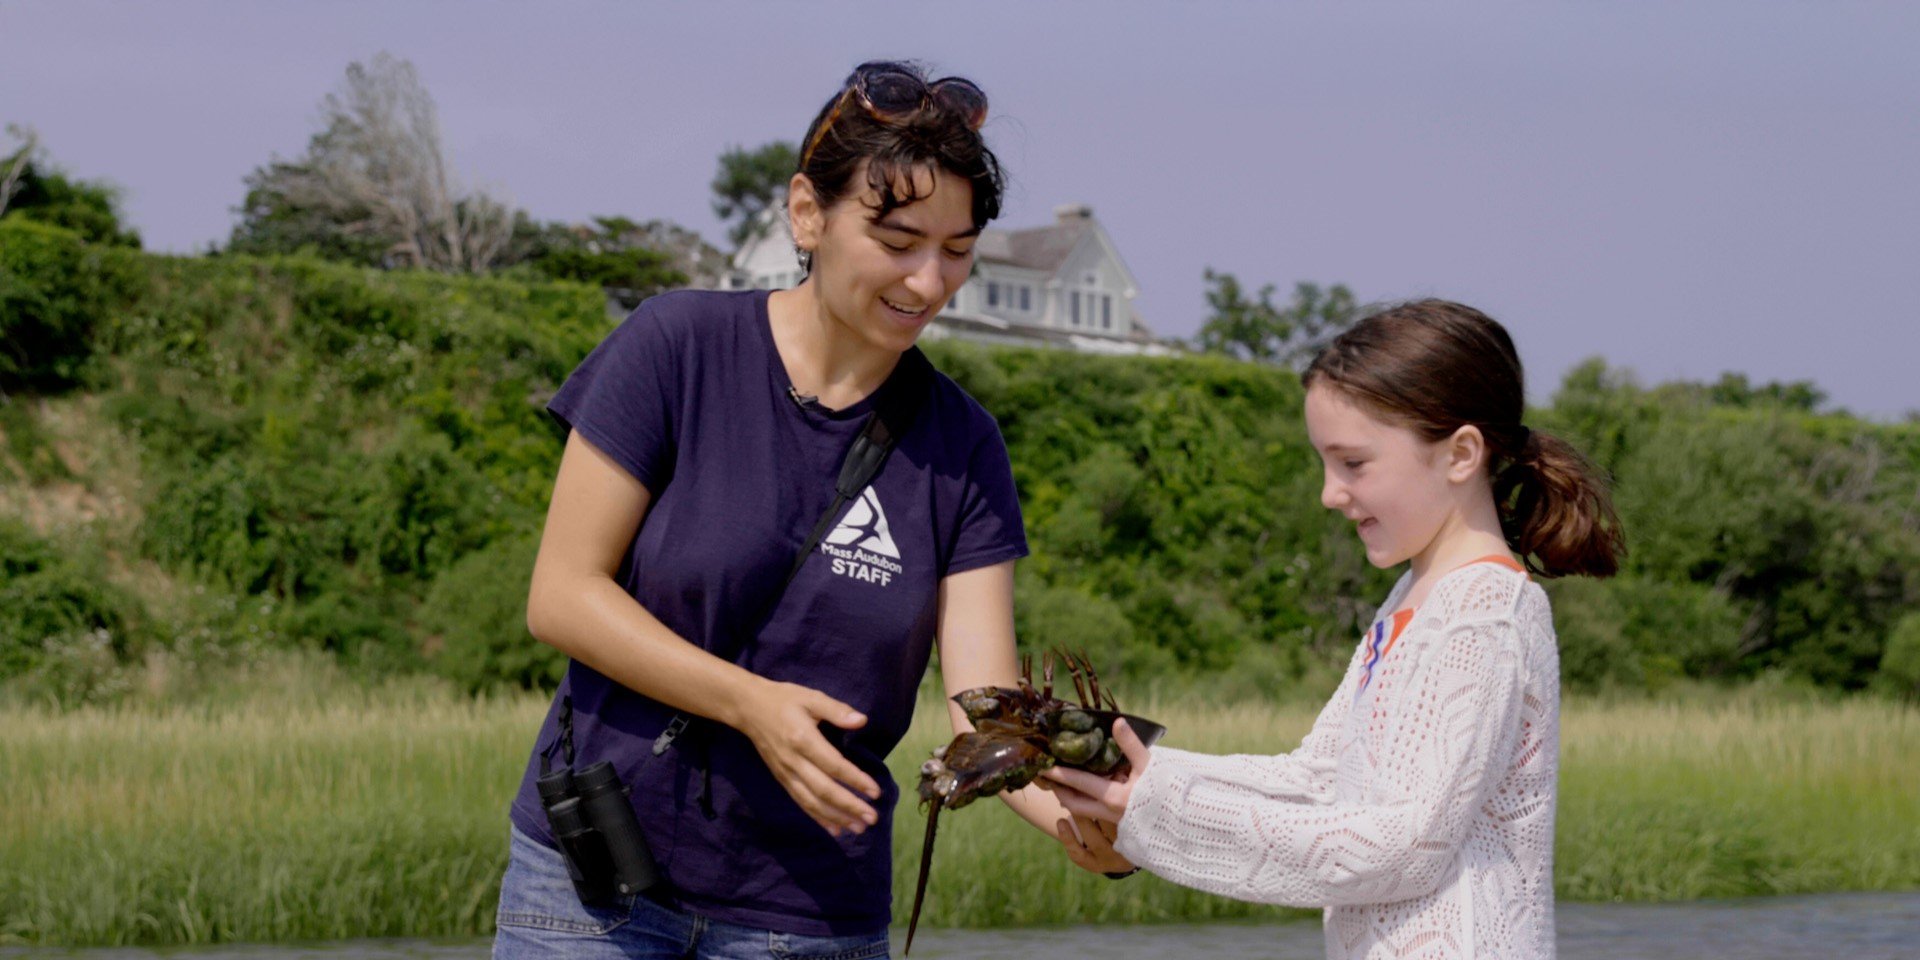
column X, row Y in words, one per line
column 1556, row 512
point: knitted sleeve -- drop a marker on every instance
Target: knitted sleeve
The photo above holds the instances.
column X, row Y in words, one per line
column 1223, row 827
column 1307, row 773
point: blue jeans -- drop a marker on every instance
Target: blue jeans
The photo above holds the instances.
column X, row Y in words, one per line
column 541, row 916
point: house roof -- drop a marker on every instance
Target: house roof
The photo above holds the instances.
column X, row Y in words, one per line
column 1037, row 248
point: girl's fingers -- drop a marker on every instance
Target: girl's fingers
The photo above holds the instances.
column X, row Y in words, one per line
column 1080, row 780
column 1136, row 751
column 1087, row 807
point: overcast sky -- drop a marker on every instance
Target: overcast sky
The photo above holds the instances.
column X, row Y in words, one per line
column 1682, row 189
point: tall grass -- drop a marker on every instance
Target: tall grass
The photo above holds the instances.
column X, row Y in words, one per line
column 342, row 811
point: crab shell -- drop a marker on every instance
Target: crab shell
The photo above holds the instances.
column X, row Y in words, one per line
column 981, row 764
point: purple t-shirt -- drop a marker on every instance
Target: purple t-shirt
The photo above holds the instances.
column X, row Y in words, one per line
column 689, row 395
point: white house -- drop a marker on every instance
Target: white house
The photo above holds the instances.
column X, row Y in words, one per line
column 1061, row 285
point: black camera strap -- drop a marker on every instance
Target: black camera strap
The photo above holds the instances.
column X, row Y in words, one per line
column 895, row 408
column 563, row 738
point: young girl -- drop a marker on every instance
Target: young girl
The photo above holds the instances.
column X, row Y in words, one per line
column 1419, row 810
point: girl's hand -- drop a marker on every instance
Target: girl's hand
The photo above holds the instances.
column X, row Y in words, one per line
column 783, row 721
column 1096, row 797
column 1089, row 845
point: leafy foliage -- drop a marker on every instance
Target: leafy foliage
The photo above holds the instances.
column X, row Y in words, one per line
column 1262, row 331
column 32, row 189
column 54, row 289
column 49, row 599
column 355, row 461
column 1901, row 665
column 750, row 181
column 615, row 253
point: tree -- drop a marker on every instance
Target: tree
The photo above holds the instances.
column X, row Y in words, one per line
column 15, row 164
column 616, row 254
column 748, row 183
column 1735, row 390
column 1260, row 331
column 375, row 175
column 33, row 189
column 273, row 222
column 1900, row 664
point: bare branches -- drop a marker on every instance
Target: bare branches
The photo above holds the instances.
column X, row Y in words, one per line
column 377, row 165
column 17, row 164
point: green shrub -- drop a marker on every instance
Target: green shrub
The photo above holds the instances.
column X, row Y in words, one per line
column 474, row 621
column 345, row 443
column 49, row 598
column 1900, row 665
column 54, row 290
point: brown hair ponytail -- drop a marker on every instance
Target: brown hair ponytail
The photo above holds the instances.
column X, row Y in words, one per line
column 1435, row 366
column 1556, row 512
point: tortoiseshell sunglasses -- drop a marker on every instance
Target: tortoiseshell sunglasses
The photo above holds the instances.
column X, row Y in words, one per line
column 893, row 92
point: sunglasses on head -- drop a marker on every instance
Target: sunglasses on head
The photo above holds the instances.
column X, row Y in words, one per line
column 892, row 92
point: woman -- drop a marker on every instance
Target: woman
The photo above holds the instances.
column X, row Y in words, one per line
column 707, row 433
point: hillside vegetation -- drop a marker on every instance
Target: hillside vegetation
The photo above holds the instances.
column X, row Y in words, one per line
column 206, row 458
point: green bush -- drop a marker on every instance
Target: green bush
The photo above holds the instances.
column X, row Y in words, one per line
column 54, row 290
column 363, row 453
column 474, row 621
column 1900, row 665
column 49, row 599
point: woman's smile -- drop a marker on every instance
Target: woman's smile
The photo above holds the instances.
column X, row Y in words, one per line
column 904, row 314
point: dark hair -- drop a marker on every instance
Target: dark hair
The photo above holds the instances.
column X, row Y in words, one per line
column 932, row 137
column 1435, row 366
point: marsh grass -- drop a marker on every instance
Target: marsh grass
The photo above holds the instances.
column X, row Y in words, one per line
column 335, row 810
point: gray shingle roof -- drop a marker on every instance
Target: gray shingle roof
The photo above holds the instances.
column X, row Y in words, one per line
column 1037, row 248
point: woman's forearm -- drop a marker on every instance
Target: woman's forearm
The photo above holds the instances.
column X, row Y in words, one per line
column 1038, row 807
column 590, row 618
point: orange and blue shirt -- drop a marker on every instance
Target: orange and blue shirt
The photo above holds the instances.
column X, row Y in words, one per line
column 1380, row 637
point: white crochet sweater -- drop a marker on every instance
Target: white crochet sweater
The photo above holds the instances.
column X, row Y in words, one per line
column 1418, row 812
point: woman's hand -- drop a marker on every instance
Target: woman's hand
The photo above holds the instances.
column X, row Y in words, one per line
column 1096, row 797
column 783, row 721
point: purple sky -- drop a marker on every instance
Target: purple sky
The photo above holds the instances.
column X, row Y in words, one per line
column 1683, row 189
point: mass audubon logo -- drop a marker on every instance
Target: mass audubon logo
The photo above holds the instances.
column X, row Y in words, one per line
column 862, row 546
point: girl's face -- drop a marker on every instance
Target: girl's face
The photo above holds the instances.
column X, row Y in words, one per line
column 1394, row 486
column 885, row 278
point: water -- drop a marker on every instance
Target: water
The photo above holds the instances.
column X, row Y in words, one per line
column 1858, row 926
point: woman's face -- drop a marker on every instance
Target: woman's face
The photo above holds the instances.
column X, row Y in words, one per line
column 884, row 278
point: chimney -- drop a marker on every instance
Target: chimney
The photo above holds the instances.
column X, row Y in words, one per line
column 1069, row 212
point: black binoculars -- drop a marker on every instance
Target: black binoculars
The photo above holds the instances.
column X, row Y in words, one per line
column 593, row 823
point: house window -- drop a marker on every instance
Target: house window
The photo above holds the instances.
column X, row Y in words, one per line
column 1076, row 307
column 993, row 294
column 1106, row 311
column 1026, row 298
